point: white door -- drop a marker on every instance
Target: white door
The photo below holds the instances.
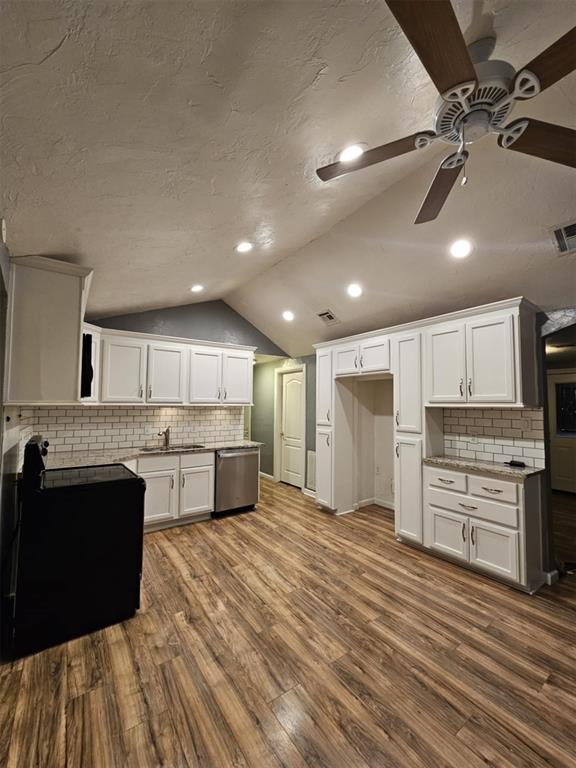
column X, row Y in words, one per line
column 197, row 491
column 490, row 360
column 123, row 370
column 237, row 378
column 324, row 385
column 161, row 497
column 408, row 488
column 494, row 548
column 446, row 358
column 292, row 429
column 346, row 360
column 205, row 376
column 324, row 465
column 561, row 400
column 446, row 532
column 166, row 374
column 408, row 384
column 375, row 355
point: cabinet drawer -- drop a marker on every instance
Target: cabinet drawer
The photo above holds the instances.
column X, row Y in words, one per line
column 470, row 505
column 197, row 460
column 443, row 478
column 157, row 463
column 499, row 490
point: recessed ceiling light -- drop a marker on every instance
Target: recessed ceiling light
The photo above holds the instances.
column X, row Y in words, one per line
column 244, row 246
column 197, row 288
column 354, row 290
column 461, row 248
column 288, row 315
column 351, row 153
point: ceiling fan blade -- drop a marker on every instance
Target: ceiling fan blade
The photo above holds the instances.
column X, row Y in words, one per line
column 439, row 190
column 546, row 140
column 555, row 62
column 372, row 156
column 433, row 31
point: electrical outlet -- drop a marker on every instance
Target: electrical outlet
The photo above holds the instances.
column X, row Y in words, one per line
column 378, row 469
column 472, row 438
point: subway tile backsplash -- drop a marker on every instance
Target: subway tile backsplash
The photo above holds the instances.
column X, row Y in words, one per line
column 83, row 427
column 495, row 434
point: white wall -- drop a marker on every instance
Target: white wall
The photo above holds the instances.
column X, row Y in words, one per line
column 375, row 442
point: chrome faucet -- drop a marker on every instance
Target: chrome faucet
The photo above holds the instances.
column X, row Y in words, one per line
column 166, row 435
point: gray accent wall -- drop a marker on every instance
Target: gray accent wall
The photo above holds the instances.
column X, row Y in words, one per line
column 207, row 321
column 263, row 409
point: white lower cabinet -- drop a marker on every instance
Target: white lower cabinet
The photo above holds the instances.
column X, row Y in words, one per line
column 494, row 548
column 324, row 468
column 161, row 497
column 197, row 491
column 446, row 532
column 408, row 487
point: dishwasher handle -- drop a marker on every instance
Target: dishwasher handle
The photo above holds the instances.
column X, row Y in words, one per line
column 231, row 454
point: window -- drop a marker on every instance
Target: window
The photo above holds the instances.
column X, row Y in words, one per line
column 566, row 408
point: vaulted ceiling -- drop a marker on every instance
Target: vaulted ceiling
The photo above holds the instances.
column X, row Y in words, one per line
column 146, row 138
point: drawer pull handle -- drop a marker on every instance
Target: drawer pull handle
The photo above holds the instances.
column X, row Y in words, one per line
column 470, row 387
column 472, row 536
column 328, row 415
column 355, row 362
column 491, row 490
column 446, row 482
column 361, row 361
column 466, row 506
column 463, row 531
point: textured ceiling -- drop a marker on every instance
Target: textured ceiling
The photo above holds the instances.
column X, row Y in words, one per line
column 146, row 138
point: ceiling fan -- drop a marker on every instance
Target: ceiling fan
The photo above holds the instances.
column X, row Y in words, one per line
column 476, row 97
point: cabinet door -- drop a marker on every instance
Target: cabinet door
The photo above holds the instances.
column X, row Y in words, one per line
column 494, row 548
column 237, row 371
column 166, row 374
column 205, row 376
column 490, row 360
column 324, row 468
column 160, row 499
column 95, row 360
column 408, row 488
column 197, row 491
column 324, row 386
column 408, row 384
column 375, row 355
column 446, row 532
column 123, row 370
column 446, row 362
column 346, row 360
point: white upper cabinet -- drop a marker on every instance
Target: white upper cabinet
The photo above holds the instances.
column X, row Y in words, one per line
column 237, row 378
column 46, row 305
column 446, row 353
column 490, row 360
column 408, row 383
column 324, row 387
column 375, row 355
column 205, row 376
column 166, row 373
column 123, row 370
column 346, row 360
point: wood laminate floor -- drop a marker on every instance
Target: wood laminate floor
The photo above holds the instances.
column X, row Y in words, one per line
column 287, row 637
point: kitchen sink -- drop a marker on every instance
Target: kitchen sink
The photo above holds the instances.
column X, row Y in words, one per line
column 172, row 448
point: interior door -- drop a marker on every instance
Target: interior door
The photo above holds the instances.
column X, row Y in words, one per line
column 123, row 370
column 324, row 386
column 205, row 376
column 324, row 467
column 408, row 488
column 562, row 424
column 446, row 350
column 292, row 429
column 237, row 378
column 408, row 384
column 166, row 374
column 490, row 360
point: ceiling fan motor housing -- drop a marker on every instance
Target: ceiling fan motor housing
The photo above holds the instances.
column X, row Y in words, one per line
column 495, row 83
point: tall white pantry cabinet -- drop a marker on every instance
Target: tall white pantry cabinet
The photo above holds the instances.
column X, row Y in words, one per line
column 476, row 358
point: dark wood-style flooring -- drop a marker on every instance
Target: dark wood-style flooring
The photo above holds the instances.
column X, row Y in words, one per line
column 287, row 637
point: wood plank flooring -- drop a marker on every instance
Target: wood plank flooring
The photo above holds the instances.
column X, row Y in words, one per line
column 287, row 637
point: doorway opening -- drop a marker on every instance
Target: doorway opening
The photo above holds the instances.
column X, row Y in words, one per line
column 560, row 393
column 290, row 426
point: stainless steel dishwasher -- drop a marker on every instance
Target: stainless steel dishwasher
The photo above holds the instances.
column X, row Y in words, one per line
column 236, row 478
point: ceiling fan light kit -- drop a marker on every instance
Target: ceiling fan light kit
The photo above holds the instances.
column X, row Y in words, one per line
column 477, row 96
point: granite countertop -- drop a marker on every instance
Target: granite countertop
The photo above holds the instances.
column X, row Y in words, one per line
column 495, row 469
column 92, row 457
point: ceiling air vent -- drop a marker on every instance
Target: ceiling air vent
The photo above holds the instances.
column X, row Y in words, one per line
column 565, row 238
column 328, row 317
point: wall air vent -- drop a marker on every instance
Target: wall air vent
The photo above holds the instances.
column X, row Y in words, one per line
column 565, row 238
column 328, row 317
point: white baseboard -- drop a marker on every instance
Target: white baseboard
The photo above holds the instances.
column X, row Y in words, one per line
column 386, row 503
column 309, row 492
column 267, row 476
